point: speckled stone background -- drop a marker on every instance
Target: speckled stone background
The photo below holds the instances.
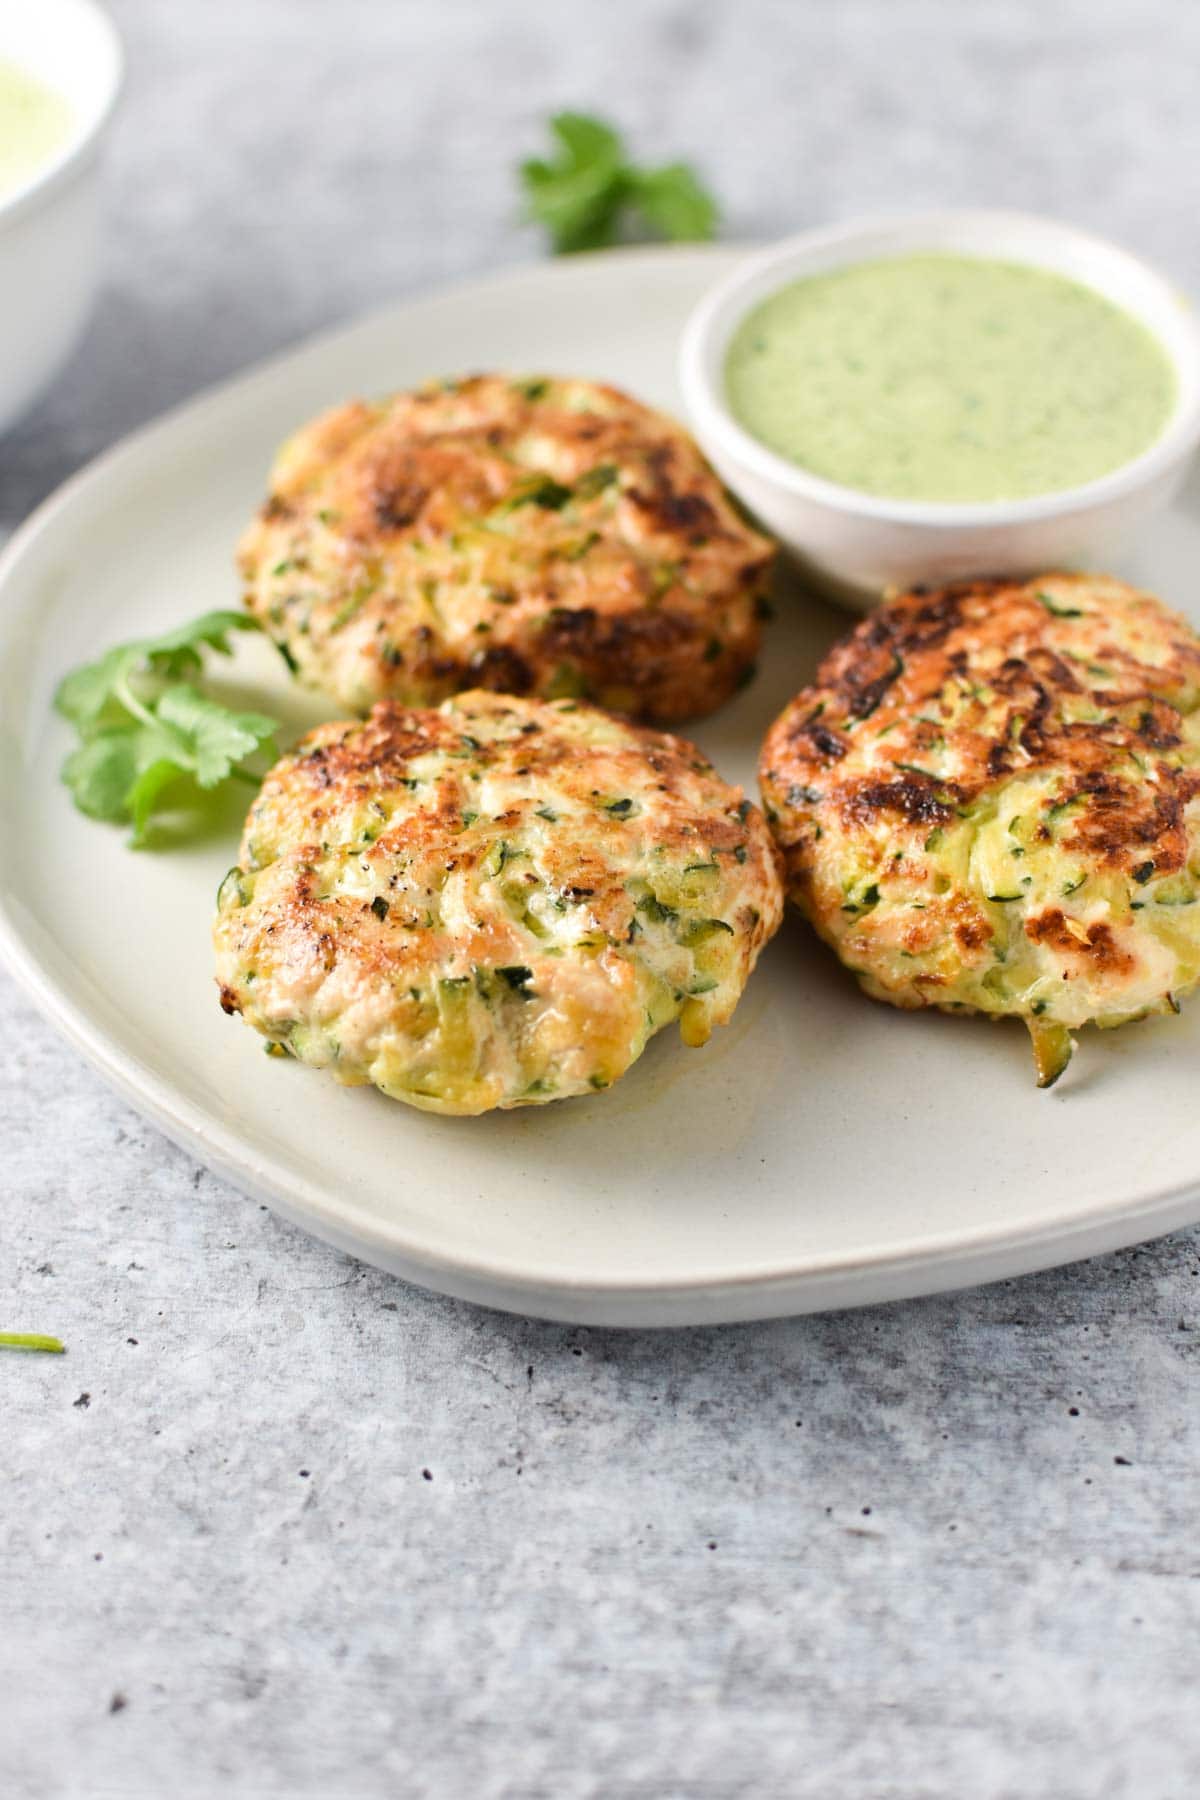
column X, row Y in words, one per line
column 280, row 1526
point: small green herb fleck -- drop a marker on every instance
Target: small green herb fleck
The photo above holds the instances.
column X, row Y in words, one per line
column 542, row 491
column 233, row 890
column 594, row 481
column 698, row 931
column 517, row 976
column 652, row 908
column 380, row 907
column 1060, row 612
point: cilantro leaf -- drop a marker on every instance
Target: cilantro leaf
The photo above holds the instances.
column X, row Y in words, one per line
column 143, row 796
column 672, row 201
column 145, row 726
column 585, row 193
column 84, row 695
column 578, row 195
column 87, row 695
column 216, row 739
column 587, row 139
column 101, row 773
column 210, row 631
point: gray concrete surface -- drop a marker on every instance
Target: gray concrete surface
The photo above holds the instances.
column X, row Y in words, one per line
column 280, row 1526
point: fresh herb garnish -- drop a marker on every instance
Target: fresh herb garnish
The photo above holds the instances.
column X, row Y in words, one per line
column 589, row 190
column 31, row 1340
column 144, row 726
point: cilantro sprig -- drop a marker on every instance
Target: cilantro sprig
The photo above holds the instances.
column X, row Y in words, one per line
column 31, row 1340
column 144, row 725
column 589, row 190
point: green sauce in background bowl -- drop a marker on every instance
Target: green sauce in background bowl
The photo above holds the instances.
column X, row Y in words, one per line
column 35, row 123
column 945, row 395
column 949, row 378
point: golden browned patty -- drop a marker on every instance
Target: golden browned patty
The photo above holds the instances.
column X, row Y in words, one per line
column 530, row 536
column 495, row 904
column 988, row 801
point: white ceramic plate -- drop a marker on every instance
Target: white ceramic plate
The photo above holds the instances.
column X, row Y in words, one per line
column 821, row 1151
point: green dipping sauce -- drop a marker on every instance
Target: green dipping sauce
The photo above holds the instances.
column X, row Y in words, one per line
column 35, row 123
column 943, row 377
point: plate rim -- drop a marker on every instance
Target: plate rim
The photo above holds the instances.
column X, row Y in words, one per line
column 825, row 1281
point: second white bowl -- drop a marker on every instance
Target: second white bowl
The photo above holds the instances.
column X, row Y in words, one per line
column 50, row 225
column 857, row 545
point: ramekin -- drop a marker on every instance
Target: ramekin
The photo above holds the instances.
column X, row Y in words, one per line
column 858, row 545
column 50, row 225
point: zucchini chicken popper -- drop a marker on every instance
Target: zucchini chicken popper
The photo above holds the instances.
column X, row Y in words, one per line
column 987, row 802
column 537, row 536
column 494, row 904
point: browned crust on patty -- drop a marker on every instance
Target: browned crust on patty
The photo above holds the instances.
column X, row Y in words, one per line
column 494, row 904
column 894, row 730
column 989, row 800
column 532, row 536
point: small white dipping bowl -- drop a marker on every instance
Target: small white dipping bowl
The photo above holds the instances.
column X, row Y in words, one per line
column 50, row 225
column 856, row 545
